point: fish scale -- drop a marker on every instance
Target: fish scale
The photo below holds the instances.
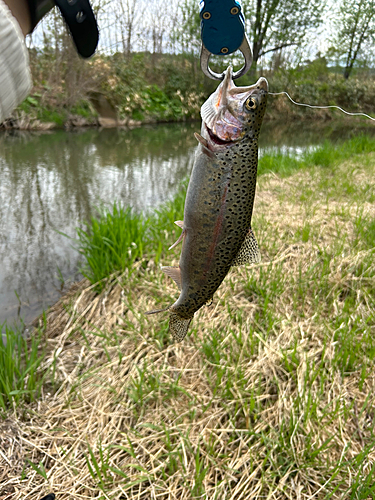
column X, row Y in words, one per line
column 219, row 201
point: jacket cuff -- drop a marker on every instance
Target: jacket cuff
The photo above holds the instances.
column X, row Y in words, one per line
column 15, row 75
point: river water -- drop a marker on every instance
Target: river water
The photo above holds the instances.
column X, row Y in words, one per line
column 51, row 183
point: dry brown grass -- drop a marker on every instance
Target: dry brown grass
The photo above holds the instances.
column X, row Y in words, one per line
column 271, row 396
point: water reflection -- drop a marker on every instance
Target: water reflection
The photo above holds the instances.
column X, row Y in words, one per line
column 303, row 134
column 296, row 138
column 52, row 182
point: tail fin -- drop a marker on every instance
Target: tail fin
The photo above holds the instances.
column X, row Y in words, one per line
column 178, row 326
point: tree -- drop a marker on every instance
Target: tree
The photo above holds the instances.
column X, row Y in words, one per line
column 159, row 24
column 276, row 24
column 355, row 25
column 128, row 14
column 187, row 32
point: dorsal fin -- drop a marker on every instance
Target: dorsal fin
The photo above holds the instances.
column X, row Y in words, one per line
column 249, row 251
column 174, row 273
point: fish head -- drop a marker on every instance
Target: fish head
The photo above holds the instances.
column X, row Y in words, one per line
column 233, row 113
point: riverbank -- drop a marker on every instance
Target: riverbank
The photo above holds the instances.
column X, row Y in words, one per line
column 144, row 88
column 25, row 122
column 272, row 393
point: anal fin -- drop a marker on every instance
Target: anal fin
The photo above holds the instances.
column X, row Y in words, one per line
column 249, row 251
column 178, row 326
column 156, row 311
column 174, row 273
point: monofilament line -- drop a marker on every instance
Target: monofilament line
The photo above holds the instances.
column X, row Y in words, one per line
column 321, row 107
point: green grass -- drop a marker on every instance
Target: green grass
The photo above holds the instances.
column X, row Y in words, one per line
column 365, row 230
column 116, row 238
column 21, row 373
column 34, row 108
column 327, row 155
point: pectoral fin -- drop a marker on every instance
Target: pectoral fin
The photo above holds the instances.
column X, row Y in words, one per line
column 201, row 139
column 179, row 223
column 249, row 251
column 174, row 273
column 206, row 150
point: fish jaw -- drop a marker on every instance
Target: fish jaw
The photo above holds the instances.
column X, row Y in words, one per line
column 226, row 115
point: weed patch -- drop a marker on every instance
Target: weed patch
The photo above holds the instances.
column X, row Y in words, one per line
column 21, row 373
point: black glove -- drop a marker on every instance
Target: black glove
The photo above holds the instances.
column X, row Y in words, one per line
column 79, row 18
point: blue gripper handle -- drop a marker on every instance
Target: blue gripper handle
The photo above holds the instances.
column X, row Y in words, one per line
column 222, row 25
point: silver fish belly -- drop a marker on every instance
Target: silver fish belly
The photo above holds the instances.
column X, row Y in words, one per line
column 220, row 197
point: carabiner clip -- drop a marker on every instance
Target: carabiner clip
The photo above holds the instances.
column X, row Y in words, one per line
column 244, row 48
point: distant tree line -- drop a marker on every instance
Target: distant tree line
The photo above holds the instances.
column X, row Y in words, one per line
column 284, row 31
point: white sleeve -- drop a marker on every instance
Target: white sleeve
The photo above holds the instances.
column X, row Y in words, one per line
column 15, row 76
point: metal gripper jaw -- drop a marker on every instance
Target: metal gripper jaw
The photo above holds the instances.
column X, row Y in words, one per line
column 223, row 32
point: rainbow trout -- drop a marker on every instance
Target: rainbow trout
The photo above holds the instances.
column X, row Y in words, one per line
column 216, row 230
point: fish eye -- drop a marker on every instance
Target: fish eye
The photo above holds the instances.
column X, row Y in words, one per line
column 250, row 103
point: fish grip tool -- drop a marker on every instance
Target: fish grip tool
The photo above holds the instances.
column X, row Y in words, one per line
column 222, row 33
column 79, row 18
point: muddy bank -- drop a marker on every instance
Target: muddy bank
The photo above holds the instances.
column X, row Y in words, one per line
column 106, row 115
column 27, row 123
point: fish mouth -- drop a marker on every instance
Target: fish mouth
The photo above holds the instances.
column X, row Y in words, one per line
column 217, row 140
column 225, row 121
column 260, row 87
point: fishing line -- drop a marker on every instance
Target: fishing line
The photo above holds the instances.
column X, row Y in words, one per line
column 321, row 107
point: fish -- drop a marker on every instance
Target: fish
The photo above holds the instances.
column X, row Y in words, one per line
column 216, row 230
